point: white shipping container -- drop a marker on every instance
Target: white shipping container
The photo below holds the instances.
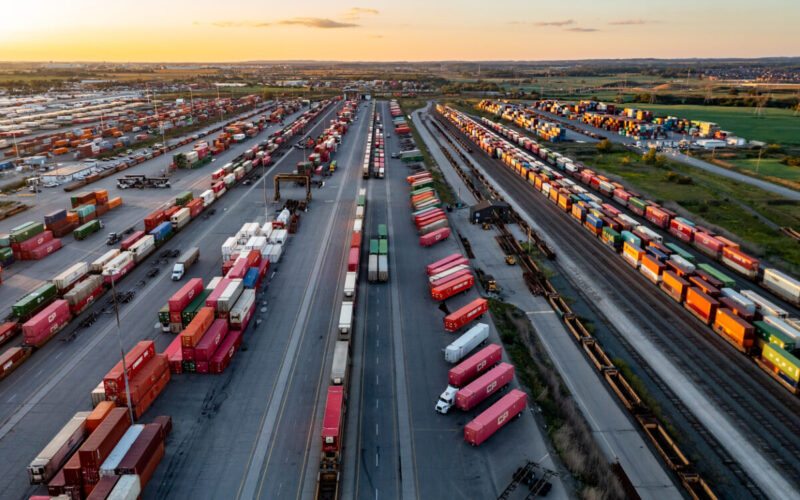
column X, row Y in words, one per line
column 118, row 262
column 266, row 229
column 346, row 318
column 256, row 243
column 128, row 487
column 242, row 306
column 650, row 234
column 784, row 285
column 466, row 343
column 783, row 326
column 208, row 197
column 97, row 265
column 228, row 248
column 278, row 237
column 357, row 225
column 383, row 268
column 359, row 212
column 350, row 280
column 58, row 450
column 740, row 299
column 143, row 247
column 180, row 216
column 110, row 464
column 766, row 306
column 229, row 296
column 71, row 275
column 283, row 217
column 685, row 264
column 275, row 254
column 83, row 289
column 213, row 283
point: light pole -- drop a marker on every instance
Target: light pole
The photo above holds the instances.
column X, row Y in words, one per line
column 114, row 271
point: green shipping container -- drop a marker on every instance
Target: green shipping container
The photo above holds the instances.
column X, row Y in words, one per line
column 4, row 241
column 785, row 362
column 85, row 230
column 34, row 301
column 188, row 314
column 611, row 236
column 184, row 198
column 6, row 253
column 361, row 201
column 163, row 315
column 373, row 246
column 680, row 251
column 636, row 202
column 85, row 210
column 382, row 234
column 420, row 191
column 772, row 335
column 26, row 232
column 724, row 278
column 383, row 247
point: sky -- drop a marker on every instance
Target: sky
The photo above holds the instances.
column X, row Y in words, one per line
column 400, row 30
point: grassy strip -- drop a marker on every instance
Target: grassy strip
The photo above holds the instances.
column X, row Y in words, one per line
column 442, row 187
column 565, row 424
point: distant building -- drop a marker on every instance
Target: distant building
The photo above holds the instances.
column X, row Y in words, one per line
column 486, row 210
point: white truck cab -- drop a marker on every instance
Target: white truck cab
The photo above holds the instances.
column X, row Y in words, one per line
column 177, row 272
column 447, row 399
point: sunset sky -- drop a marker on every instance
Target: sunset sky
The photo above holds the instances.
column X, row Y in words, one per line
column 412, row 30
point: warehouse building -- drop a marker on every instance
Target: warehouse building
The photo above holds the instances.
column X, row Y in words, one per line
column 486, row 210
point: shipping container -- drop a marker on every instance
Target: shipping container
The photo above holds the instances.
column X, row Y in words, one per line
column 58, row 450
column 464, row 315
column 496, row 416
column 484, row 386
column 462, row 346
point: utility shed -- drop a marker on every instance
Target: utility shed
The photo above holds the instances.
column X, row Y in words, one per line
column 486, row 210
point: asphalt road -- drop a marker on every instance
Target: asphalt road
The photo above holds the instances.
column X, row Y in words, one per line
column 214, row 416
column 22, row 277
column 442, row 464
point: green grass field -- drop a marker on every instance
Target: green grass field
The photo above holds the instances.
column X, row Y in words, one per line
column 775, row 125
column 768, row 166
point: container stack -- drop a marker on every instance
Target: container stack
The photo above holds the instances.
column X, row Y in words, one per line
column 30, row 241
column 148, row 374
column 426, row 209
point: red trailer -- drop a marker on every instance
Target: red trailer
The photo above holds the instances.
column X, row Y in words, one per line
column 352, row 260
column 484, row 386
column 185, row 295
column 429, row 239
column 428, row 214
column 224, row 353
column 473, row 310
column 450, row 277
column 495, row 417
column 332, row 424
column 38, row 330
column 474, row 365
column 708, row 244
column 440, row 263
column 657, row 216
column 453, row 287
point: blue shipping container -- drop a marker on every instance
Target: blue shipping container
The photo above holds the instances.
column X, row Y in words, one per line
column 162, row 231
column 55, row 216
column 250, row 278
column 594, row 221
column 658, row 254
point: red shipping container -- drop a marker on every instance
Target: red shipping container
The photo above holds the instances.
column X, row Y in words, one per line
column 46, row 323
column 152, row 465
column 201, row 366
column 430, row 268
column 222, row 357
column 100, row 443
column 263, row 267
column 656, row 216
column 681, row 230
column 45, row 249
column 495, row 417
column 8, row 330
column 143, row 381
column 56, row 485
column 740, row 261
column 453, row 287
column 135, row 359
column 461, row 317
column 185, row 295
column 253, row 258
column 450, row 277
column 72, row 471
column 332, row 422
column 238, row 270
column 429, row 239
column 421, row 217
column 355, row 241
column 473, row 366
column 173, row 353
column 707, row 244
column 103, row 488
column 211, row 300
column 150, row 396
column 484, row 386
column 142, row 449
column 195, row 207
column 153, row 220
column 38, row 240
column 352, row 260
column 130, row 240
column 171, row 211
column 187, row 353
column 460, row 261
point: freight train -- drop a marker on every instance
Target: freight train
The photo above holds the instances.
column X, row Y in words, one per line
column 704, row 291
column 41, row 314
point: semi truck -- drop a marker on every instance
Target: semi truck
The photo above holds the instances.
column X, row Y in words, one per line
column 462, row 346
column 476, row 391
column 184, row 262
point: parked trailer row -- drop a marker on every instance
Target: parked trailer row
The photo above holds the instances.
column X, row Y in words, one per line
column 699, row 291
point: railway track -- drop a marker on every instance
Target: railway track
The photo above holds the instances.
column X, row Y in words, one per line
column 733, row 386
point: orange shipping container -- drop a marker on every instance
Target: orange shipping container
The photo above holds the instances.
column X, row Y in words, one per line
column 197, row 327
column 114, row 202
column 72, row 216
column 700, row 304
column 729, row 324
column 651, row 268
column 674, row 285
column 60, row 151
column 99, row 414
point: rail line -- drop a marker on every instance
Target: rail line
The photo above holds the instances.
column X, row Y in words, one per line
column 539, row 285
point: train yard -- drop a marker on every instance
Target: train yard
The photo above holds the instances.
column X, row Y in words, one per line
column 350, row 320
column 732, row 391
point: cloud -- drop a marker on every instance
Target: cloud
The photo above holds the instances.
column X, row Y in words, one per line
column 238, row 24
column 355, row 13
column 582, row 30
column 564, row 22
column 316, row 22
column 626, row 22
column 376, row 36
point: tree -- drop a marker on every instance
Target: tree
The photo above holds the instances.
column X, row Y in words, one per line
column 650, row 157
column 604, row 146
